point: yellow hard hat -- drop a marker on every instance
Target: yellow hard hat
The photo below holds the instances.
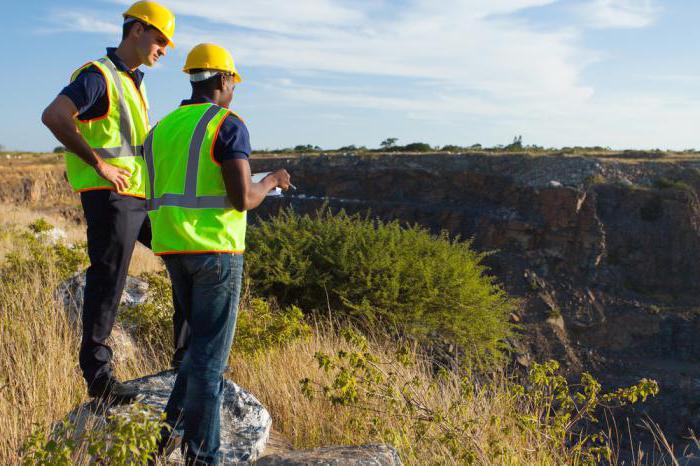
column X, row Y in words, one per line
column 211, row 57
column 156, row 15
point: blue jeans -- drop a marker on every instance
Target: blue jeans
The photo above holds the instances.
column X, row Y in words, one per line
column 207, row 288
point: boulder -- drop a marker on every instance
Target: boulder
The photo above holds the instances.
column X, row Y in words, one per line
column 364, row 455
column 245, row 423
column 71, row 291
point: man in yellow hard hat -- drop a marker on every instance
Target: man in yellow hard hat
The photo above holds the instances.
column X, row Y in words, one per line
column 101, row 117
column 198, row 191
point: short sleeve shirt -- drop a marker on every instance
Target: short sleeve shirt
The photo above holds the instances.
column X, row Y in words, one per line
column 88, row 91
column 233, row 140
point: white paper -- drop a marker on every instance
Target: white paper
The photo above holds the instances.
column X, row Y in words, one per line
column 257, row 177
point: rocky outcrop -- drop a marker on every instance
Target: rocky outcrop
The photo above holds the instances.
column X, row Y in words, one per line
column 365, row 455
column 245, row 422
column 70, row 293
column 32, row 179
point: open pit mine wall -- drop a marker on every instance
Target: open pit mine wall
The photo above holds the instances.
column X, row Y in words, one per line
column 603, row 254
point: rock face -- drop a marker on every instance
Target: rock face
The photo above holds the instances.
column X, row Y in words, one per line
column 365, row 455
column 604, row 254
column 72, row 290
column 245, row 423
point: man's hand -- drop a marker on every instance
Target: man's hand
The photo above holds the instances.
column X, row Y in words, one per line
column 119, row 177
column 281, row 177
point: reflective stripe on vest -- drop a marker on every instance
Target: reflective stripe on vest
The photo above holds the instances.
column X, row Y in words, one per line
column 112, row 136
column 185, row 191
column 189, row 199
column 127, row 149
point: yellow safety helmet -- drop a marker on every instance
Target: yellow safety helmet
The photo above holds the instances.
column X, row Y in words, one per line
column 156, row 15
column 211, row 57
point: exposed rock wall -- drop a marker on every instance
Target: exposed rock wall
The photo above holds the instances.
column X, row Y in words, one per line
column 604, row 254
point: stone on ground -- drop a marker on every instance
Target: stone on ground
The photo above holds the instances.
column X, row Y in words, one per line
column 245, row 423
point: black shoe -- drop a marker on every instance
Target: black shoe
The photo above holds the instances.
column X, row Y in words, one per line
column 112, row 390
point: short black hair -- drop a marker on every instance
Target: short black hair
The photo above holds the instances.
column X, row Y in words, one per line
column 129, row 23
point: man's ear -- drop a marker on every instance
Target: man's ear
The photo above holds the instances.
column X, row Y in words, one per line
column 137, row 29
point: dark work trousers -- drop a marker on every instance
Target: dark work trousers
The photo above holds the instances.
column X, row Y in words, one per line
column 114, row 224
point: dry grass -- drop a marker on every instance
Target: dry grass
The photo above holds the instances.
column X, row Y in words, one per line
column 19, row 217
column 40, row 380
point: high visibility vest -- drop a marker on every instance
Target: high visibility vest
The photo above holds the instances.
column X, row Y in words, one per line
column 185, row 192
column 117, row 137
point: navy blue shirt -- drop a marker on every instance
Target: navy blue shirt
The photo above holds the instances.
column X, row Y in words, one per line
column 233, row 140
column 88, row 91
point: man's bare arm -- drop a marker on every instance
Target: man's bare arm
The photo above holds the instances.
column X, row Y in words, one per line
column 59, row 117
column 242, row 192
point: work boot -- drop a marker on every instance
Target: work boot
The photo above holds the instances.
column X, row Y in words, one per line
column 111, row 390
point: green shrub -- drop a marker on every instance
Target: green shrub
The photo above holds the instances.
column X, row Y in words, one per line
column 380, row 273
column 31, row 253
column 56, row 450
column 442, row 415
column 667, row 183
column 40, row 225
column 262, row 325
column 128, row 438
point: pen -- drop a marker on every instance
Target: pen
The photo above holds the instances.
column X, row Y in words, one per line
column 294, row 188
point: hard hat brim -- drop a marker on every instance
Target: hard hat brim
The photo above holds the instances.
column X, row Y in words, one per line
column 171, row 44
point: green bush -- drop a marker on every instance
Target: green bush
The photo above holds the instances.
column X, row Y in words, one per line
column 380, row 273
column 261, row 325
column 409, row 412
column 128, row 438
column 30, row 252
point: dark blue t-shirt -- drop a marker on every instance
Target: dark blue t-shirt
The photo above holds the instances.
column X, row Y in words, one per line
column 233, row 140
column 88, row 91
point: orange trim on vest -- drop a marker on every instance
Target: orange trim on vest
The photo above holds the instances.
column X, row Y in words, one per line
column 216, row 135
column 138, row 91
column 167, row 253
column 109, row 97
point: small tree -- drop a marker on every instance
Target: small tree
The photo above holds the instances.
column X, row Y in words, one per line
column 388, row 143
column 59, row 150
column 517, row 144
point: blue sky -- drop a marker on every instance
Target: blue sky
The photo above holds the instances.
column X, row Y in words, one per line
column 618, row 73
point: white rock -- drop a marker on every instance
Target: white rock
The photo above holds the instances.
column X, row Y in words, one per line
column 245, row 423
column 52, row 236
column 71, row 291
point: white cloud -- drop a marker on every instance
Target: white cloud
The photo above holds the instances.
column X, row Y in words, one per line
column 425, row 59
column 466, row 46
column 619, row 13
column 79, row 21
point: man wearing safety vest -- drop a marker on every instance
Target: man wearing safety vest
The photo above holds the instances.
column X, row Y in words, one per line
column 101, row 117
column 198, row 190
